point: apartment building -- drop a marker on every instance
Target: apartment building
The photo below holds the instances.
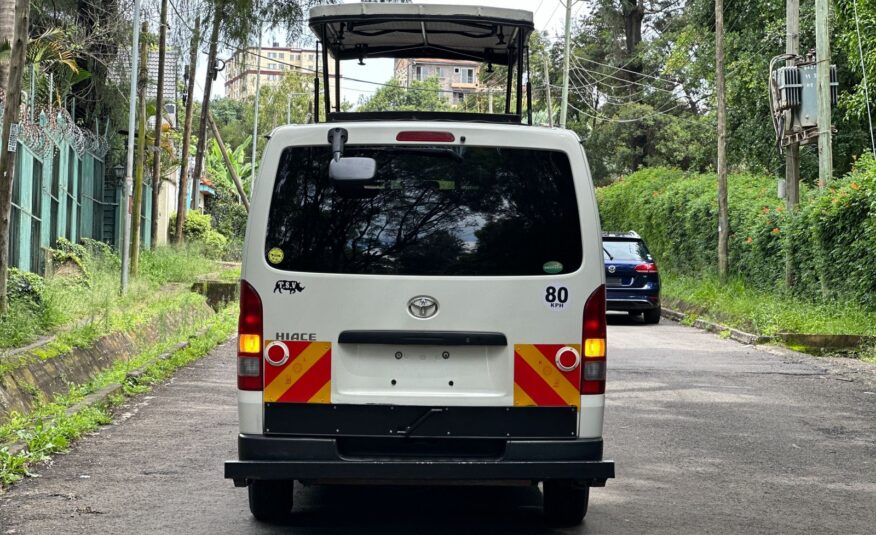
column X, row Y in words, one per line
column 455, row 77
column 241, row 69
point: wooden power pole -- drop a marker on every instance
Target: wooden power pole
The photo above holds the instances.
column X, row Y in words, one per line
column 564, row 109
column 792, row 151
column 159, row 115
column 137, row 209
column 822, row 74
column 228, row 164
column 547, row 87
column 12, row 85
column 723, row 216
column 181, row 204
column 205, row 106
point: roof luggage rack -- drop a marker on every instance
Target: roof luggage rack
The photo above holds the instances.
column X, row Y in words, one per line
column 495, row 36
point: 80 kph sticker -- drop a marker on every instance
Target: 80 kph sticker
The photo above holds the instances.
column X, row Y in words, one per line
column 556, row 297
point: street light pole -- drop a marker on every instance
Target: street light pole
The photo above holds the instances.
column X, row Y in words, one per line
column 255, row 125
column 565, row 106
column 125, row 202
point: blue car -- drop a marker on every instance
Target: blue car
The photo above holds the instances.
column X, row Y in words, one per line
column 631, row 279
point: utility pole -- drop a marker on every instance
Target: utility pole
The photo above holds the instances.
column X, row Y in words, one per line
column 205, row 106
column 125, row 201
column 547, row 84
column 159, row 114
column 12, row 86
column 183, row 191
column 792, row 151
column 255, row 122
column 141, row 156
column 822, row 74
column 565, row 106
column 723, row 216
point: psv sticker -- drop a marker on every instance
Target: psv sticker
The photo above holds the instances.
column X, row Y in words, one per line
column 556, row 298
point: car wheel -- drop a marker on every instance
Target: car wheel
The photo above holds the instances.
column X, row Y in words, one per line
column 565, row 503
column 652, row 316
column 270, row 501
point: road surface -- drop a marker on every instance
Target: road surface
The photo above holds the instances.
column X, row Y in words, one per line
column 709, row 436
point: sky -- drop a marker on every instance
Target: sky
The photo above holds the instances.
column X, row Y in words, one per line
column 549, row 16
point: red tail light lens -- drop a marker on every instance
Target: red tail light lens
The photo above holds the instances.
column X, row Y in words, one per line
column 649, row 267
column 249, row 339
column 426, row 137
column 594, row 341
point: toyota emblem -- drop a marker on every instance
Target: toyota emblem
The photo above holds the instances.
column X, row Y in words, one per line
column 423, row 307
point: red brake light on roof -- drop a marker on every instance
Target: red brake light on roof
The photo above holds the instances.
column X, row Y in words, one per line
column 594, row 337
column 249, row 339
column 426, row 137
column 649, row 267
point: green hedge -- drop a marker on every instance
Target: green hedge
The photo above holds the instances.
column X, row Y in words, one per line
column 831, row 238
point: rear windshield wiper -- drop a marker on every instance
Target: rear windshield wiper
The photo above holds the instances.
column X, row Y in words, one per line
column 424, row 151
column 607, row 253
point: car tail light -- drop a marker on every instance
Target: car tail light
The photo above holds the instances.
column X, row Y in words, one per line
column 593, row 336
column 249, row 339
column 649, row 267
column 427, row 137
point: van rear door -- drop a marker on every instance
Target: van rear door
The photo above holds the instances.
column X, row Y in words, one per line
column 454, row 278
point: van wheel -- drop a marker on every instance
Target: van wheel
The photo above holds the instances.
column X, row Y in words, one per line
column 652, row 316
column 270, row 501
column 565, row 503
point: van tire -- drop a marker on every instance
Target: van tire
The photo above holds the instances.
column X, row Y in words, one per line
column 652, row 316
column 565, row 502
column 270, row 501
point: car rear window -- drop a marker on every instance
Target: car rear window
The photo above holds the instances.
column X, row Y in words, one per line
column 633, row 250
column 430, row 210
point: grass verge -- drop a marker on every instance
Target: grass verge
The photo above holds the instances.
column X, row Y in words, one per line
column 48, row 429
column 59, row 303
column 765, row 312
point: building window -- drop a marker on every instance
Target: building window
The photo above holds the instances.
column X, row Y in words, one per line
column 468, row 76
column 458, row 97
column 272, row 66
column 272, row 54
column 418, row 72
column 296, row 57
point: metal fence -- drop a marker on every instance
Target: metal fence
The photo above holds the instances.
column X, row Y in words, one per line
column 63, row 188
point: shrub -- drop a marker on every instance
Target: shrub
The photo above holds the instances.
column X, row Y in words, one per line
column 24, row 286
column 199, row 233
column 830, row 238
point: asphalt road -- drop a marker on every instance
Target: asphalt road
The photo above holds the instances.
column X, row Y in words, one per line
column 709, row 436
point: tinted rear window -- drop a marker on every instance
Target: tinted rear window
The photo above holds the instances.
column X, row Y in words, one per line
column 625, row 250
column 429, row 211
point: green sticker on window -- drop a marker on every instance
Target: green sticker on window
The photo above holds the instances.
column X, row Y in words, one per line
column 553, row 267
column 275, row 255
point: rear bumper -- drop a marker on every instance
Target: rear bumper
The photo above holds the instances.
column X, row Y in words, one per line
column 324, row 459
column 631, row 299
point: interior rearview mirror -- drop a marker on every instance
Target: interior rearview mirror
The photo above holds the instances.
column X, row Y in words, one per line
column 352, row 168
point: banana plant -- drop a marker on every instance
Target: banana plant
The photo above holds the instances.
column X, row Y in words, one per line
column 218, row 173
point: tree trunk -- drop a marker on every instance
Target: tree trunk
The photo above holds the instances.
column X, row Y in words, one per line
column 723, row 216
column 10, row 117
column 7, row 27
column 159, row 114
column 205, row 108
column 228, row 164
column 187, row 136
column 634, row 14
column 141, row 156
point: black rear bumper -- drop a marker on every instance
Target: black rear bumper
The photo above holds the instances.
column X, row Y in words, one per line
column 326, row 459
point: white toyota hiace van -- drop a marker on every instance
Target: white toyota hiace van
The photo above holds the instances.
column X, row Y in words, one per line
column 422, row 298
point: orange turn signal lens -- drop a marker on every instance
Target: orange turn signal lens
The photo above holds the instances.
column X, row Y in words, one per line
column 594, row 347
column 249, row 343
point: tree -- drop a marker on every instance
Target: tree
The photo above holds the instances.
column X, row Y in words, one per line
column 183, row 185
column 12, row 86
column 141, row 154
column 422, row 95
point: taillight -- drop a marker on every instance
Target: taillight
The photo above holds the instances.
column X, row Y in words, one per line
column 426, row 137
column 649, row 267
column 249, row 339
column 593, row 337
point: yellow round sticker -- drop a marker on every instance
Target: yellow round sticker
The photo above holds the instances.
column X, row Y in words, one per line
column 275, row 255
